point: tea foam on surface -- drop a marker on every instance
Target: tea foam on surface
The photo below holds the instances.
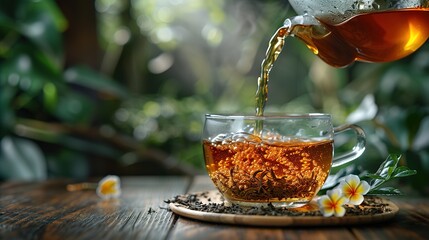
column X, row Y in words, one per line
column 266, row 136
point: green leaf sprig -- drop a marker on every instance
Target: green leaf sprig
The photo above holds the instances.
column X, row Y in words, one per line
column 387, row 171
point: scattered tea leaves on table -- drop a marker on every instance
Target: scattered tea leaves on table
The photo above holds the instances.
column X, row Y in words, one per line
column 199, row 202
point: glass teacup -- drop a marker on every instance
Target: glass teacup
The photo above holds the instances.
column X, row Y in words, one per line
column 282, row 160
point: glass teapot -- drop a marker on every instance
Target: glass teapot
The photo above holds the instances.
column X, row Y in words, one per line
column 343, row 31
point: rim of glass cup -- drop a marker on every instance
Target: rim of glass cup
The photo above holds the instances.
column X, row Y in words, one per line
column 267, row 116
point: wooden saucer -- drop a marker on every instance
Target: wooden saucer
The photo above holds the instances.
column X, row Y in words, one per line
column 264, row 220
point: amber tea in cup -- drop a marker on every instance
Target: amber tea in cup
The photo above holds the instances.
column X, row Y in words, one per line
column 282, row 160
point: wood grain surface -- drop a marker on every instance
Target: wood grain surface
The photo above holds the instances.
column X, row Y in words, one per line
column 411, row 222
column 45, row 210
column 48, row 211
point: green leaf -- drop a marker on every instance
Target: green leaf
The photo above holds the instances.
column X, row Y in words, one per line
column 373, row 176
column 40, row 22
column 73, row 107
column 29, row 74
column 385, row 170
column 90, row 79
column 21, row 159
column 50, row 96
column 403, row 171
column 6, row 23
column 7, row 115
column 390, row 171
column 385, row 191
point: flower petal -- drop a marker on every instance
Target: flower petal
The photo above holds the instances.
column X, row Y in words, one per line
column 325, row 206
column 354, row 189
column 347, row 190
column 356, row 199
column 363, row 187
column 332, row 203
column 343, row 200
column 109, row 187
column 324, row 201
column 327, row 212
column 340, row 211
column 352, row 180
column 335, row 194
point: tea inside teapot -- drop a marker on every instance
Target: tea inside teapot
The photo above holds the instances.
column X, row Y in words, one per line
column 341, row 32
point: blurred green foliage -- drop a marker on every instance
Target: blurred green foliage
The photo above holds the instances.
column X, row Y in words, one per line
column 41, row 101
column 165, row 64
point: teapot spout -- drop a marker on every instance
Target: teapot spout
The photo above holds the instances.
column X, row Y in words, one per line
column 305, row 19
column 328, row 46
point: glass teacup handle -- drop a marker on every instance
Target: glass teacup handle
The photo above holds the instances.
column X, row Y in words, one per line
column 358, row 148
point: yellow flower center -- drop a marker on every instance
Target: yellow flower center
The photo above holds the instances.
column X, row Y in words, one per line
column 108, row 187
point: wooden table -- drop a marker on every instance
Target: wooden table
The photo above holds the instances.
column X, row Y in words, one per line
column 46, row 210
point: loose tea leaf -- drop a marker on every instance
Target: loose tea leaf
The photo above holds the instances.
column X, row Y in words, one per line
column 199, row 202
column 277, row 172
